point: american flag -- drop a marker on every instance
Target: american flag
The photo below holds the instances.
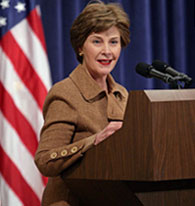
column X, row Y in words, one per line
column 24, row 83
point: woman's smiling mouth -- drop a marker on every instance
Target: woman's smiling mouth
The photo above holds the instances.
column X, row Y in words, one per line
column 104, row 62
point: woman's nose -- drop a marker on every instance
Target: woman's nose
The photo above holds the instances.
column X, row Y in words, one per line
column 106, row 49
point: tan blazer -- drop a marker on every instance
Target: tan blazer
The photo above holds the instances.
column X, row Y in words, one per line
column 75, row 109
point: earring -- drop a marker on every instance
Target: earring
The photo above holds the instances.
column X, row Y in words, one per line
column 81, row 54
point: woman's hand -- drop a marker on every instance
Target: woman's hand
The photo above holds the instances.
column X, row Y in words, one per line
column 107, row 131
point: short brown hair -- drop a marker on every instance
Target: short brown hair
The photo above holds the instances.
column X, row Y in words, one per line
column 98, row 17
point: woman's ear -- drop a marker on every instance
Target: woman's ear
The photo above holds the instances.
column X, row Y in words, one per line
column 80, row 52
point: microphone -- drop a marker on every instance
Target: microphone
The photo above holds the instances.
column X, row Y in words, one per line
column 165, row 68
column 149, row 71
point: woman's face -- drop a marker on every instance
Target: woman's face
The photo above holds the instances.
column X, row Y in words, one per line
column 101, row 52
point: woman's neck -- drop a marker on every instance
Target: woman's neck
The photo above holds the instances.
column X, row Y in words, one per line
column 100, row 80
column 102, row 83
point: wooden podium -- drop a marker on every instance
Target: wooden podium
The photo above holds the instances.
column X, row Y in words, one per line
column 149, row 161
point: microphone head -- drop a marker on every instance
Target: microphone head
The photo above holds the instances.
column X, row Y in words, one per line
column 160, row 66
column 143, row 69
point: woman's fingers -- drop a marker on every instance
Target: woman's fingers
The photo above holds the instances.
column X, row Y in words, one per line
column 107, row 131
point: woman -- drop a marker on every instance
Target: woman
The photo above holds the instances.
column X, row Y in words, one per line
column 87, row 107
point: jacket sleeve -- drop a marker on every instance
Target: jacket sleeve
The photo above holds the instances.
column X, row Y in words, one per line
column 56, row 151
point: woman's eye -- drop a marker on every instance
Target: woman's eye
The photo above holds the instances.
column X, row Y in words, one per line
column 96, row 41
column 114, row 42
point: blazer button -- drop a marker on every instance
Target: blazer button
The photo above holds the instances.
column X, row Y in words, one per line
column 64, row 153
column 74, row 149
column 53, row 155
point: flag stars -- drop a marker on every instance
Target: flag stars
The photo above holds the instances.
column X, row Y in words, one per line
column 4, row 4
column 2, row 21
column 20, row 7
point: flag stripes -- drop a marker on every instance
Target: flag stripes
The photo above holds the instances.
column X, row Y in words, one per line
column 39, row 60
column 24, row 83
column 18, row 121
column 21, row 63
column 13, row 84
column 7, row 195
column 16, row 181
column 36, row 27
column 8, row 144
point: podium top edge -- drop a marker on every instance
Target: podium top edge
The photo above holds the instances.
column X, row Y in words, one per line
column 170, row 95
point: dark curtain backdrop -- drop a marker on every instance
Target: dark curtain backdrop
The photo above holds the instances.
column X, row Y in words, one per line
column 160, row 29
